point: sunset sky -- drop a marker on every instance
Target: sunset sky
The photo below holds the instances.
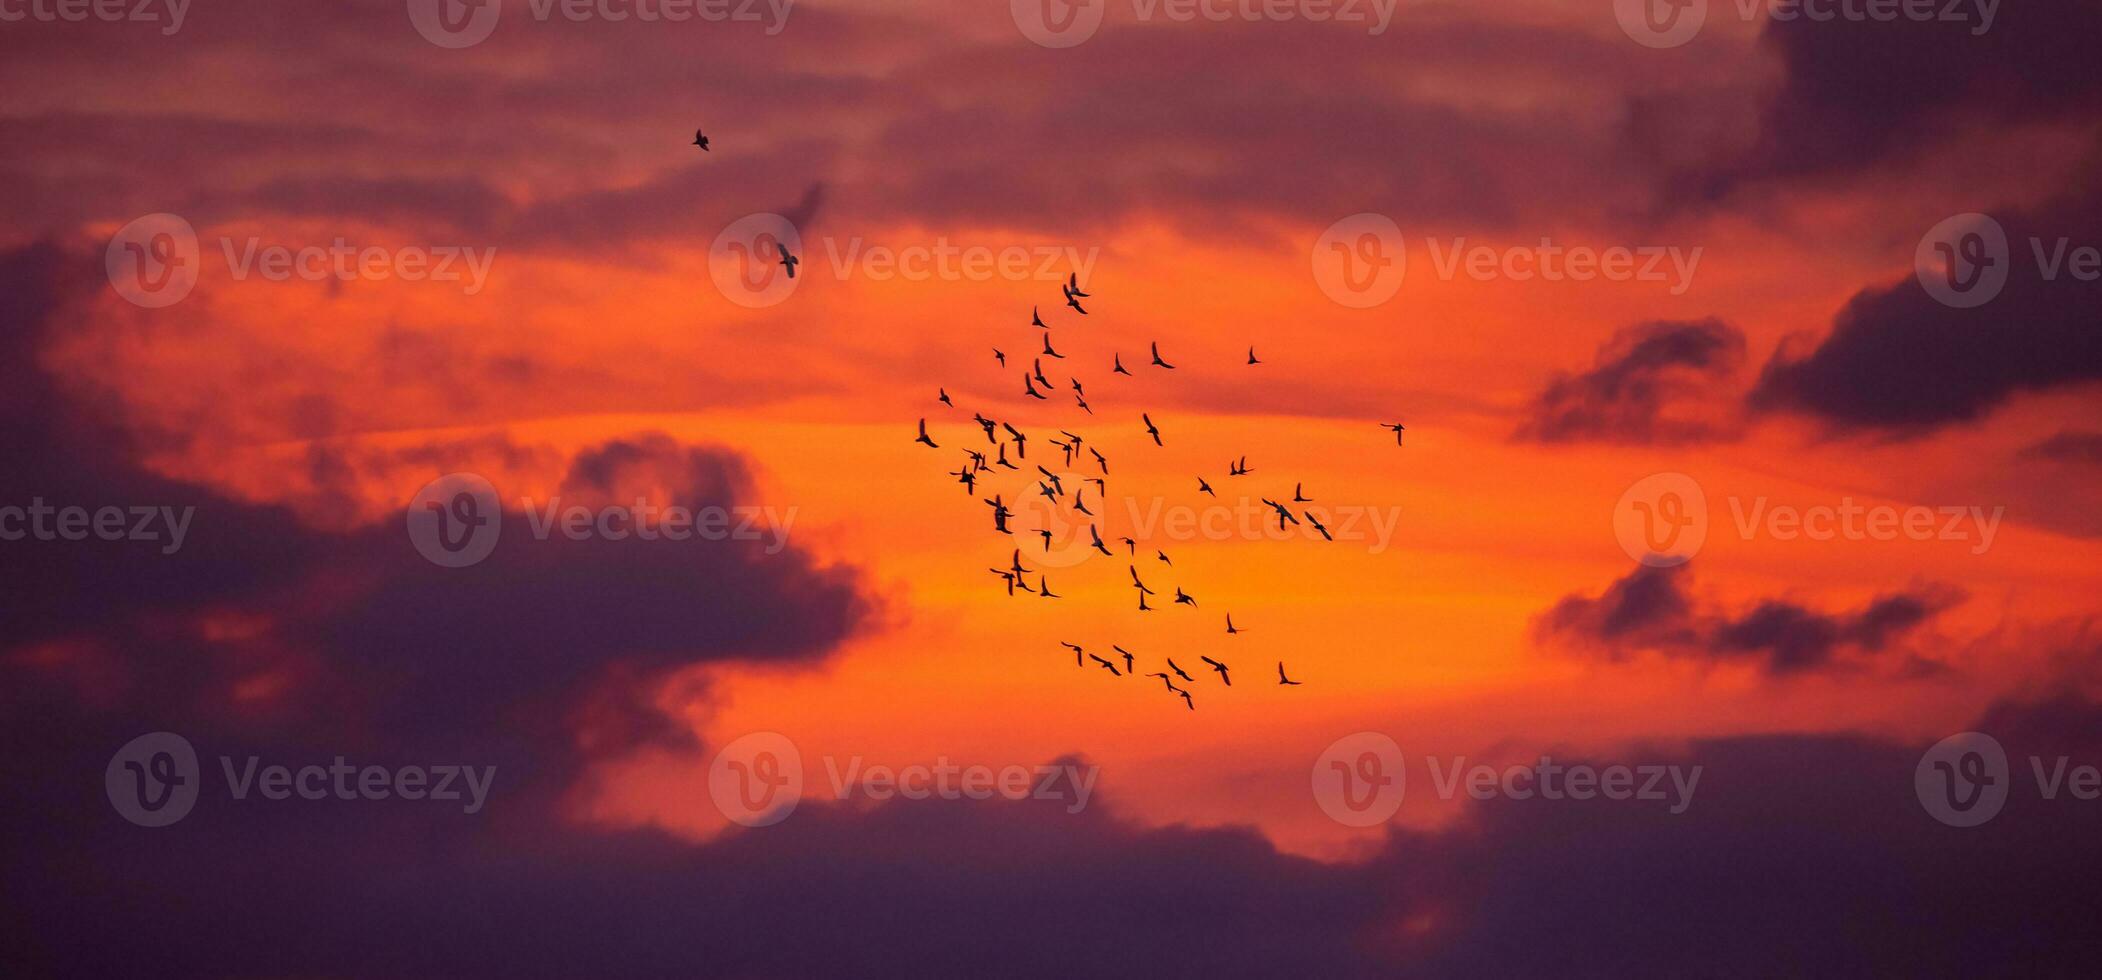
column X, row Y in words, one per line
column 1862, row 294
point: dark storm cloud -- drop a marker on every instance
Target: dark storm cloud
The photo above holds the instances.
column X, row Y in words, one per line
column 1645, row 386
column 1858, row 93
column 1649, row 611
column 1900, row 361
column 1786, row 836
column 365, row 639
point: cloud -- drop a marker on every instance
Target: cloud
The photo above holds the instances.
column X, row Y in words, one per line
column 1646, row 386
column 1649, row 611
column 1899, row 361
column 2068, row 446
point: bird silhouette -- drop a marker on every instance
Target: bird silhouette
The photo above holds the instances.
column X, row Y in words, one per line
column 1048, row 352
column 1318, row 526
column 1135, row 580
column 1072, row 286
column 998, row 356
column 1020, row 439
column 1299, row 497
column 923, row 436
column 1251, row 356
column 1000, row 514
column 1230, row 630
column 1283, row 515
column 1076, row 651
column 1397, row 427
column 1163, row 556
column 944, row 394
column 1185, row 599
column 1237, row 468
column 1075, row 303
column 1178, row 670
column 1203, row 487
column 787, row 261
column 1143, row 607
column 1099, row 460
column 1002, row 461
column 1221, row 668
column 1043, row 588
column 1112, row 668
column 1192, row 705
column 700, row 140
column 1150, row 430
column 1081, row 505
column 1119, row 368
column 1029, row 388
column 1156, row 358
column 1281, row 678
column 1096, row 541
column 1037, row 321
column 1127, row 656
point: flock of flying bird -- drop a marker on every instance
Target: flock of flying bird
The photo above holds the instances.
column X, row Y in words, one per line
column 1052, row 487
column 1001, row 435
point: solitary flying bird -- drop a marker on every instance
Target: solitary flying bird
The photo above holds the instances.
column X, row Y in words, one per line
column 1072, row 286
column 787, row 261
column 699, row 140
column 1048, row 352
column 1150, row 430
column 1221, row 668
column 1156, row 357
column 1298, row 497
column 1178, row 670
column 1397, row 427
column 945, row 397
column 1037, row 321
column 1251, row 356
column 1002, row 358
column 1203, row 487
column 1318, row 526
column 1119, row 369
column 923, row 436
column 1281, row 678
column 1229, row 624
